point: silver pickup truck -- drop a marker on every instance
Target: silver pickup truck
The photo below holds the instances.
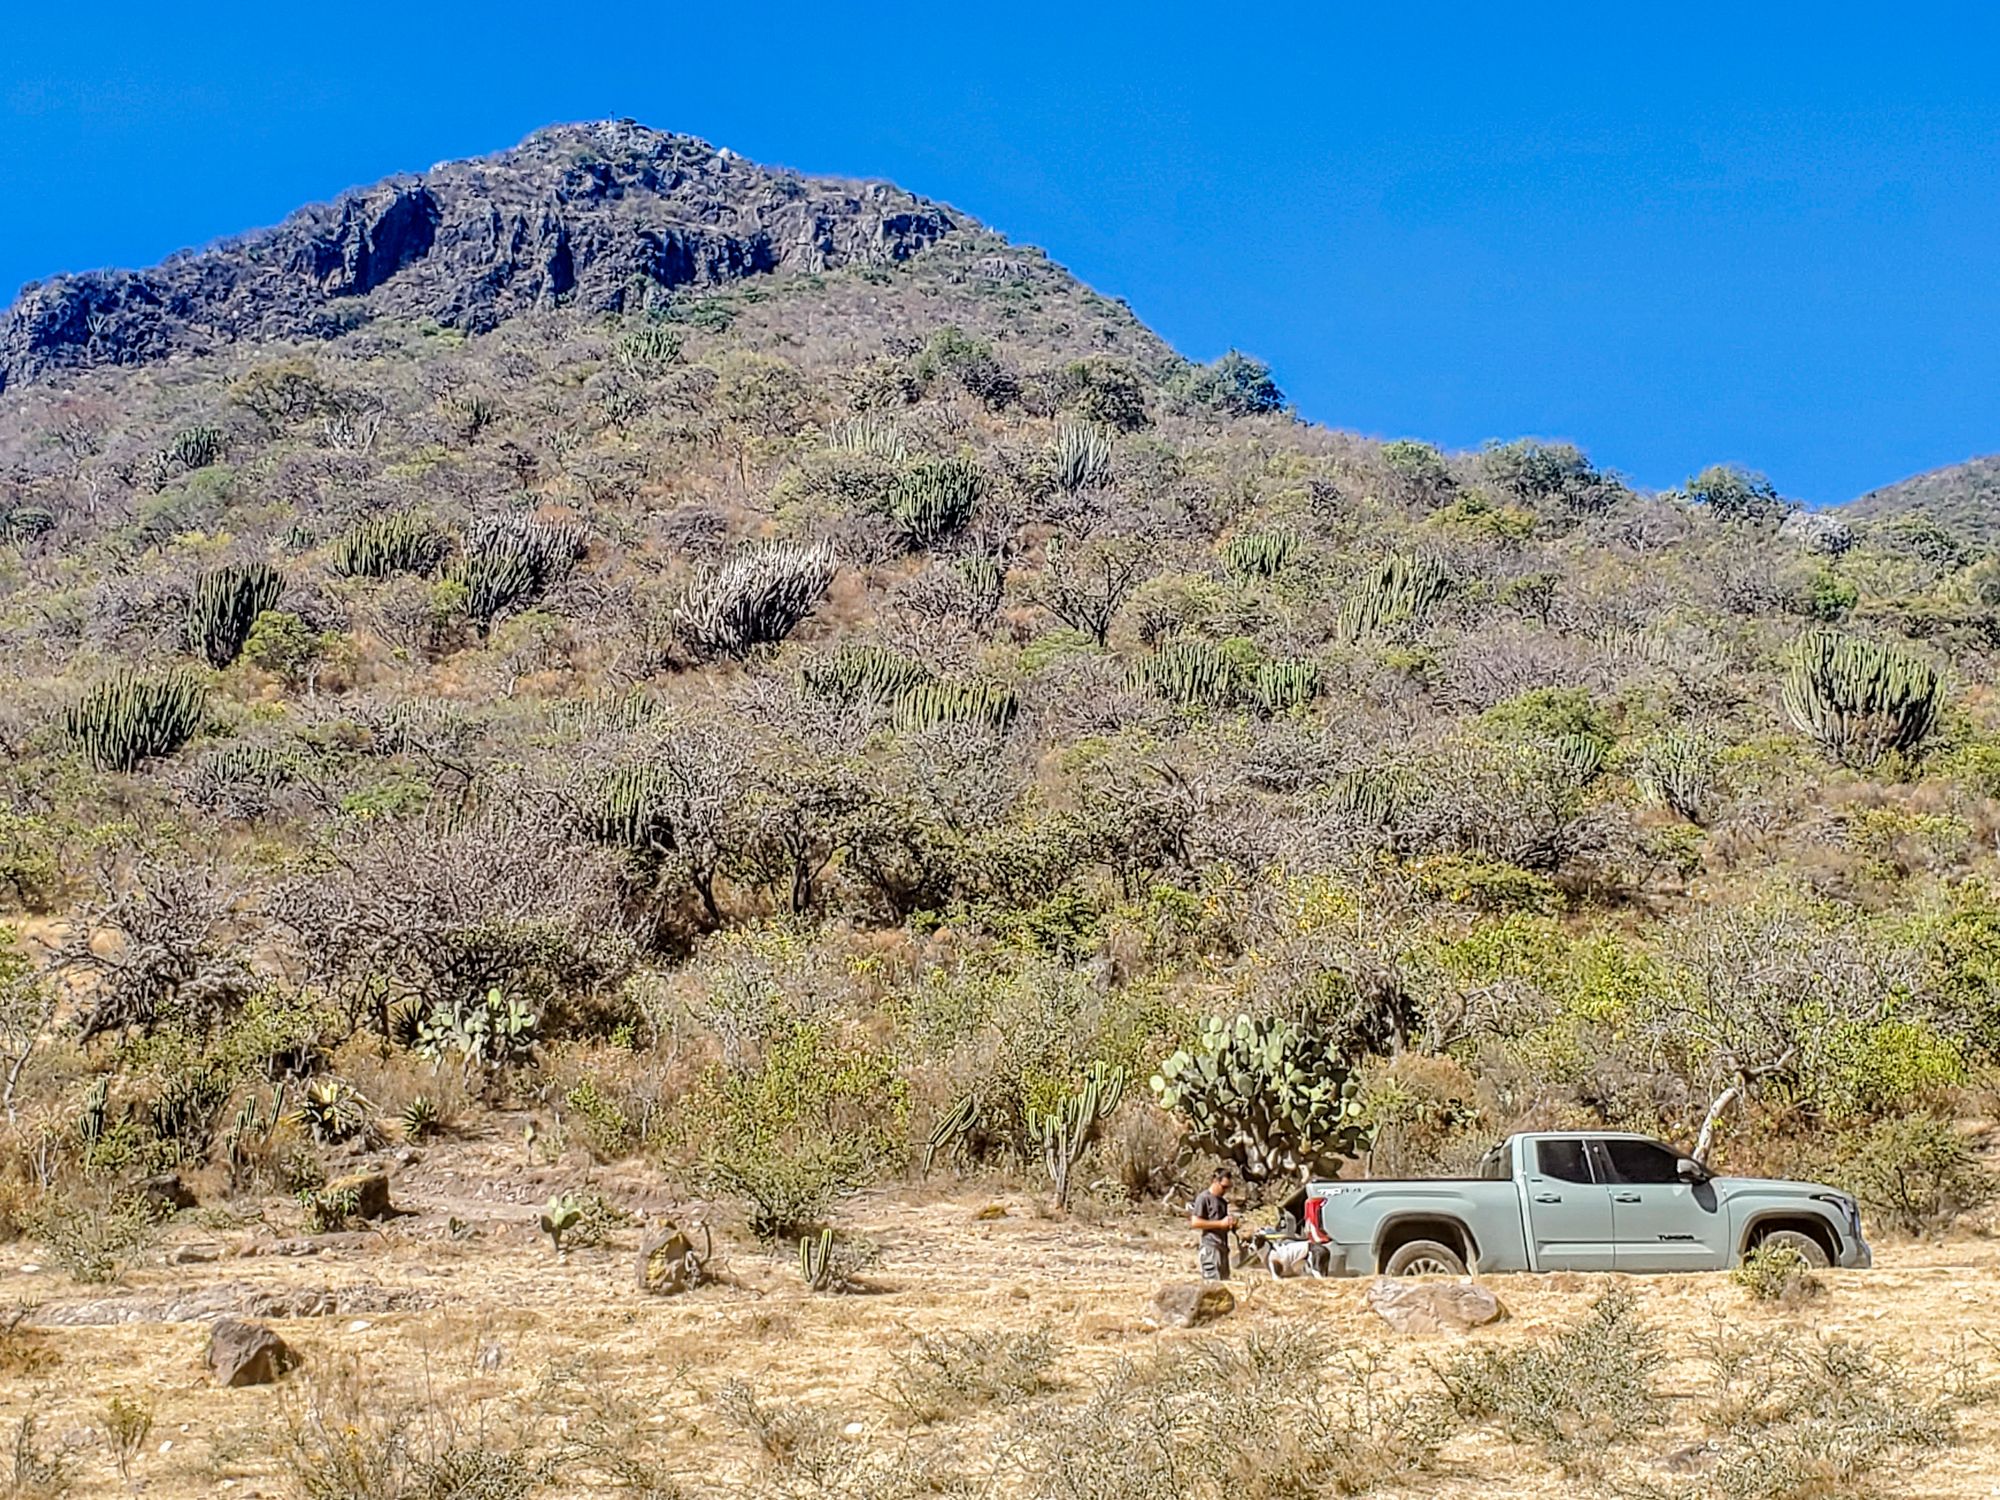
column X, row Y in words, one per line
column 1590, row 1201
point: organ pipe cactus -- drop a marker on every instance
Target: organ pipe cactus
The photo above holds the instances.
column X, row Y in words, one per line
column 1678, row 771
column 189, row 449
column 1402, row 591
column 933, row 498
column 1285, row 685
column 1265, row 1093
column 1860, row 699
column 1082, row 457
column 1190, row 671
column 932, row 703
column 756, row 597
column 129, row 718
column 1065, row 1131
column 507, row 564
column 861, row 670
column 1261, row 554
column 816, row 1260
column 225, row 605
column 869, row 437
column 403, row 541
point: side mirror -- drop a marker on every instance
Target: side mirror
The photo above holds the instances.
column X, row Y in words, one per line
column 1690, row 1170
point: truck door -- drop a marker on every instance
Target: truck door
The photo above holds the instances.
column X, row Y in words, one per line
column 1569, row 1210
column 1660, row 1222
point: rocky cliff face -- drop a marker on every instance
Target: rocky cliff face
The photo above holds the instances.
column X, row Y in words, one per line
column 605, row 216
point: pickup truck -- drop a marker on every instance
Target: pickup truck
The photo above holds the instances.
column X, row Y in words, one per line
column 1591, row 1201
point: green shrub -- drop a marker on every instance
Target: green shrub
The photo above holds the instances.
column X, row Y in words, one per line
column 787, row 1189
column 1777, row 1273
column 1914, row 1173
column 93, row 1234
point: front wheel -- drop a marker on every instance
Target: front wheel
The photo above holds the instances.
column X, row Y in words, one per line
column 1811, row 1251
column 1424, row 1258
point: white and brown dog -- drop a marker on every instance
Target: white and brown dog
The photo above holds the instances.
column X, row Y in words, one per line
column 1282, row 1258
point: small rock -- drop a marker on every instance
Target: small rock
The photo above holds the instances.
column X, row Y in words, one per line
column 854, row 1429
column 990, row 1212
column 241, row 1353
column 1432, row 1306
column 167, row 1446
column 490, row 1358
column 1692, row 1459
column 370, row 1190
column 1189, row 1304
column 359, row 1325
column 193, row 1255
column 80, row 1437
column 30, row 1269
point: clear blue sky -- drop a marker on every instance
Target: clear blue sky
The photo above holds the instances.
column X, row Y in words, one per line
column 1765, row 233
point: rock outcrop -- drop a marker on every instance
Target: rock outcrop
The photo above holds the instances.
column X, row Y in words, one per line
column 609, row 216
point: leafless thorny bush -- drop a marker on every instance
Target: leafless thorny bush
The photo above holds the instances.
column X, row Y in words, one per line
column 945, row 1374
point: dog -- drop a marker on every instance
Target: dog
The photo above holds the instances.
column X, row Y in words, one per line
column 1284, row 1258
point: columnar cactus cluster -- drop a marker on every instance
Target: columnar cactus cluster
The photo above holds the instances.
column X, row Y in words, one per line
column 1261, row 554
column 934, row 498
column 226, row 603
column 1402, row 591
column 756, row 597
column 867, row 436
column 867, row 670
column 1082, row 458
column 932, row 703
column 1285, row 685
column 402, row 541
column 1266, row 1094
column 131, row 718
column 507, row 564
column 1860, row 699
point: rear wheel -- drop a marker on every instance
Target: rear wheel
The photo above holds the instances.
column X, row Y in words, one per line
column 1424, row 1258
column 1811, row 1251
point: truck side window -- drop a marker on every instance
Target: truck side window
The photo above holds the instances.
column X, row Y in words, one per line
column 1641, row 1161
column 1563, row 1160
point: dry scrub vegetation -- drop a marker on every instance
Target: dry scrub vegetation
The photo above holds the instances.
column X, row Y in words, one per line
column 823, row 733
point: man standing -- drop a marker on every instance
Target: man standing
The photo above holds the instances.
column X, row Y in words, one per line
column 1212, row 1217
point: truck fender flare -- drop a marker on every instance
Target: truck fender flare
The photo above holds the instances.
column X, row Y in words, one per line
column 1438, row 1219
column 1820, row 1224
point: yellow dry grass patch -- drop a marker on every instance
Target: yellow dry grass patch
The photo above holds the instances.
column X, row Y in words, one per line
column 580, row 1352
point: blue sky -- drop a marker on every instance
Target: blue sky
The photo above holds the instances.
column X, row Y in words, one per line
column 1766, row 233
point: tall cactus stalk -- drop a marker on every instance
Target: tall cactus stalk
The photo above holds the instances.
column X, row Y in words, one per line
column 1860, row 699
column 1064, row 1132
column 226, row 603
column 1261, row 554
column 1189, row 671
column 928, row 704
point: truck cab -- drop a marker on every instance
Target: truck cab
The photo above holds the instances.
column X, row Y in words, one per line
column 1583, row 1201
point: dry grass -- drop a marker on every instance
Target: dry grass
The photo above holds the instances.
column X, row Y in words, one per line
column 1010, row 1354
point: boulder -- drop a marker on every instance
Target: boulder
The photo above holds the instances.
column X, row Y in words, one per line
column 1189, row 1304
column 242, row 1353
column 167, row 1193
column 370, row 1190
column 1432, row 1306
column 668, row 1261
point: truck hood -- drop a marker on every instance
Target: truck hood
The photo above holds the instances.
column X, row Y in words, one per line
column 1776, row 1187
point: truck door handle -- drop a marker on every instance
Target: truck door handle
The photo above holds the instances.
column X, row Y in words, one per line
column 1624, row 1197
column 1548, row 1197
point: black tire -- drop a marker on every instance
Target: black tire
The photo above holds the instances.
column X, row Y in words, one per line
column 1424, row 1258
column 1810, row 1250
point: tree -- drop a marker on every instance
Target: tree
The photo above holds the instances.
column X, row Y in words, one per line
column 1732, row 494
column 1085, row 586
column 27, row 1010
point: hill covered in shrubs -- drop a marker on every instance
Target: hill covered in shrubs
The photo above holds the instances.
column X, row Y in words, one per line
column 866, row 706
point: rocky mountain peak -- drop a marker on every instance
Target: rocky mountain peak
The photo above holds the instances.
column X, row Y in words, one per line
column 605, row 215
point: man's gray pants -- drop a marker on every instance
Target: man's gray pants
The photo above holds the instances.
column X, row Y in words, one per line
column 1214, row 1261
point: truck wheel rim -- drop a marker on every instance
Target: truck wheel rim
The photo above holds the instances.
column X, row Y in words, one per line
column 1427, row 1265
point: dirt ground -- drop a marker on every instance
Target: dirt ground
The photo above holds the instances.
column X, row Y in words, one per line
column 461, row 1310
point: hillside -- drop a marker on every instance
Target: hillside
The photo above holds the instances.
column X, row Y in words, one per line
column 1963, row 497
column 756, row 688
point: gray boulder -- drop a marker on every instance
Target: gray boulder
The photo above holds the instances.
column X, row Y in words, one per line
column 1433, row 1306
column 1189, row 1304
column 243, row 1353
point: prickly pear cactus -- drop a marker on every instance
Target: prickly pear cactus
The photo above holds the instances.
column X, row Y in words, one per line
column 1265, row 1094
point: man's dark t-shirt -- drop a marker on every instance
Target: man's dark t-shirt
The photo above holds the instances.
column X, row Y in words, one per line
column 1213, row 1208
